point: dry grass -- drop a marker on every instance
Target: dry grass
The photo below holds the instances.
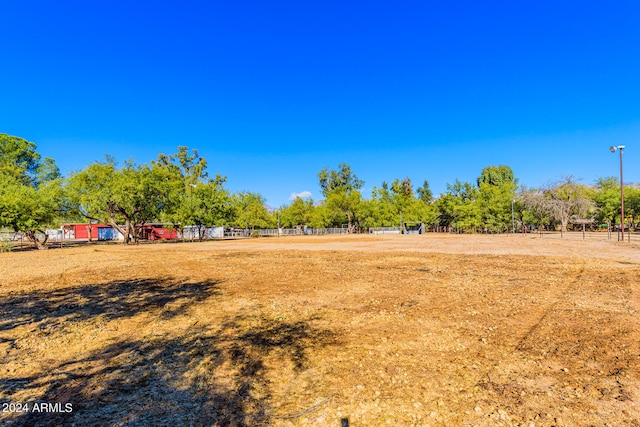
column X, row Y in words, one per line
column 400, row 330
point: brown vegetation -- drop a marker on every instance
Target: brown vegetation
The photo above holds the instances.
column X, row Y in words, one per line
column 401, row 330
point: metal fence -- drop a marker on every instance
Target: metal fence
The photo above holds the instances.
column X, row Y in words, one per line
column 579, row 235
column 296, row 231
column 9, row 236
column 194, row 232
column 11, row 240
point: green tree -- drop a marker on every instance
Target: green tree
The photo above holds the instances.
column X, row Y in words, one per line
column 402, row 194
column 497, row 176
column 406, row 207
column 424, row 192
column 319, row 217
column 381, row 210
column 632, row 204
column 30, row 190
column 606, row 197
column 20, row 160
column 444, row 209
column 250, row 211
column 459, row 207
column 342, row 196
column 194, row 198
column 213, row 204
column 344, row 207
column 342, row 179
column 497, row 187
column 87, row 192
column 425, row 213
column 133, row 194
column 299, row 213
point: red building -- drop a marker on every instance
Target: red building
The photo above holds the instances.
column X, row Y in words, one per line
column 106, row 232
column 81, row 231
column 158, row 232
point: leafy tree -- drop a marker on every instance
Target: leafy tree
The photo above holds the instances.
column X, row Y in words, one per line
column 28, row 209
column 195, row 199
column 424, row 192
column 342, row 195
column 133, row 195
column 87, row 192
column 20, row 161
column 250, row 211
column 497, row 176
column 30, row 189
column 139, row 194
column 343, row 207
column 212, row 203
column 607, row 199
column 188, row 165
column 396, row 203
column 497, row 186
column 632, row 204
column 402, row 193
column 342, row 179
column 319, row 217
column 299, row 213
column 459, row 207
column 381, row 210
column 444, row 206
column 173, row 188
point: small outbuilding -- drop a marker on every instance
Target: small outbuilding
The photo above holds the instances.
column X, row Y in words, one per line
column 158, row 232
column 413, row 228
column 82, row 231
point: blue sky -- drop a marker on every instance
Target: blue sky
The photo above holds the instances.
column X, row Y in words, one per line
column 271, row 92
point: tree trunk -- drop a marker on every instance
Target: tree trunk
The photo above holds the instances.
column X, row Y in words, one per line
column 121, row 230
column 113, row 209
column 129, row 228
column 180, row 230
column 31, row 236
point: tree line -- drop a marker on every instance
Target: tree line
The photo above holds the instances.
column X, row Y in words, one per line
column 177, row 189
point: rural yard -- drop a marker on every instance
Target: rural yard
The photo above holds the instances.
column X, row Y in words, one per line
column 418, row 330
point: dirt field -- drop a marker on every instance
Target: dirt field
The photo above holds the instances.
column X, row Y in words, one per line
column 435, row 330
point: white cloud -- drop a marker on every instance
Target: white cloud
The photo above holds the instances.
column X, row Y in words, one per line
column 303, row 195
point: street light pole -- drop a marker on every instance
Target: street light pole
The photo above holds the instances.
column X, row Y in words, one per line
column 613, row 150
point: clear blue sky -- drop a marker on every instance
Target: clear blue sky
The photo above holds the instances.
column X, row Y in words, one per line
column 271, row 92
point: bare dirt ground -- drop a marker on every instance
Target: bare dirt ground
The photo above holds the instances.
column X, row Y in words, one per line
column 437, row 330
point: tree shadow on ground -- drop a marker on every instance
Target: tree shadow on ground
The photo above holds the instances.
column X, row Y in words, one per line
column 217, row 375
column 113, row 300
